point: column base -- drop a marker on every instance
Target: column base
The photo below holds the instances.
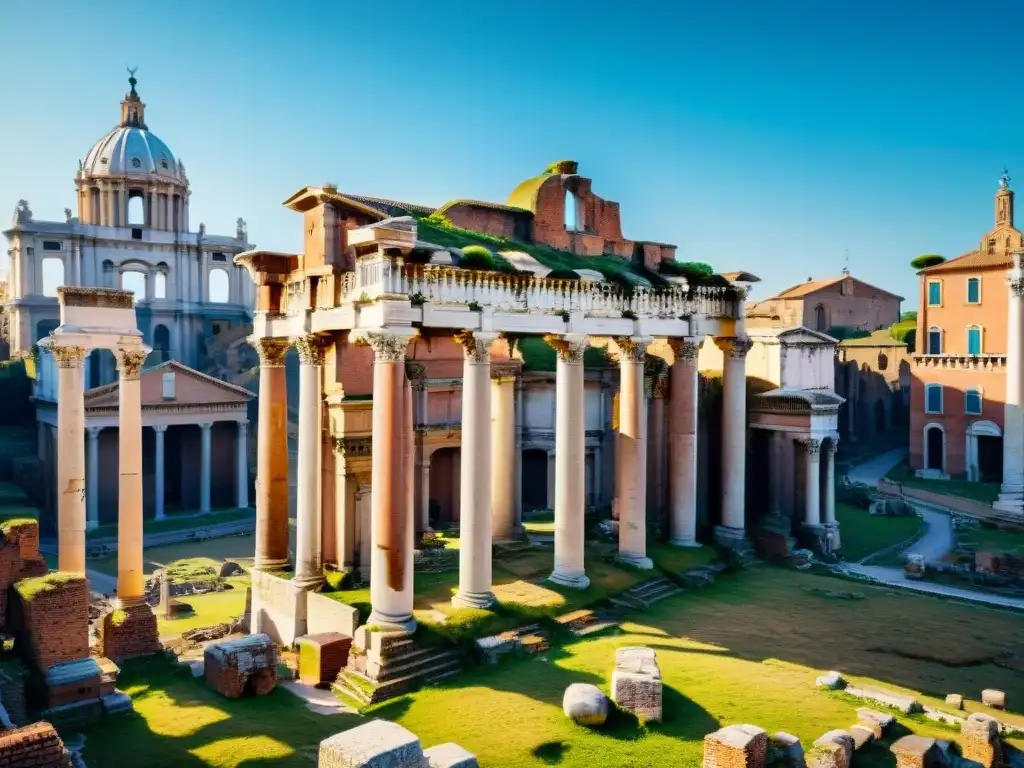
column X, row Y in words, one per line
column 389, row 622
column 129, row 630
column 271, row 565
column 637, row 561
column 308, row 582
column 1011, row 499
column 480, row 600
column 734, row 539
column 571, row 580
column 685, row 543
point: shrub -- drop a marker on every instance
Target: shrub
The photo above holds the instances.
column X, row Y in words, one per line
column 476, row 257
column 695, row 272
column 432, row 541
column 338, row 578
column 854, row 495
column 562, row 274
column 927, row 260
column 909, row 316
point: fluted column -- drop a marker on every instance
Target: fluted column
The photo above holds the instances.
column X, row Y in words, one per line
column 1011, row 493
column 70, row 458
column 92, row 481
column 242, row 465
column 631, row 466
column 159, row 431
column 416, row 374
column 570, row 438
column 475, row 521
column 503, row 448
column 682, row 443
column 812, row 481
column 391, row 575
column 734, row 438
column 130, row 581
column 308, row 550
column 205, row 468
column 272, row 456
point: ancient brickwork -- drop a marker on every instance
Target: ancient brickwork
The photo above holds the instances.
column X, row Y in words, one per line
column 735, row 746
column 51, row 618
column 322, row 656
column 73, row 681
column 129, row 631
column 245, row 665
column 19, row 557
column 34, row 746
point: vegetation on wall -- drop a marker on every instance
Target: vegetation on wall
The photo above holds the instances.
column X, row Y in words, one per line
column 478, row 257
column 927, row 260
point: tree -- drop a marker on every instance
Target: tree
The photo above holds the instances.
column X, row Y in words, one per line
column 927, row 260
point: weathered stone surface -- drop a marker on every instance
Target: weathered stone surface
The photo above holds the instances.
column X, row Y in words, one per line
column 785, row 751
column 831, row 680
column 245, row 665
column 450, row 756
column 916, row 752
column 908, row 705
column 72, row 681
column 376, row 744
column 585, row 704
column 636, row 682
column 736, row 746
column 50, row 618
column 955, row 700
column 129, row 631
column 979, row 739
column 862, row 734
column 833, row 750
column 872, row 725
column 884, row 719
column 994, row 698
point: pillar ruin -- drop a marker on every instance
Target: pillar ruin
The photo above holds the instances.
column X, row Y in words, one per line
column 272, row 457
column 504, row 523
column 682, row 443
column 731, row 532
column 812, row 481
column 631, row 462
column 308, row 550
column 130, row 580
column 70, row 458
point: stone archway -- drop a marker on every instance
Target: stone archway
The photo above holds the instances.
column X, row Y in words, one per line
column 984, row 460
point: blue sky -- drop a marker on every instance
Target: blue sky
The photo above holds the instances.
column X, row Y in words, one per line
column 769, row 136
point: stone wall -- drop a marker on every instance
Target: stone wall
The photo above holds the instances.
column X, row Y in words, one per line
column 51, row 619
column 326, row 615
column 34, row 746
column 245, row 665
column 278, row 607
column 130, row 631
column 19, row 557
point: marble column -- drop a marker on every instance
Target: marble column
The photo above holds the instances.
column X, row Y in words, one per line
column 391, row 574
column 734, row 439
column 242, row 465
column 130, row 580
column 517, row 464
column 272, row 456
column 503, row 448
column 828, row 509
column 475, row 522
column 657, row 481
column 1011, row 493
column 92, row 480
column 552, row 471
column 70, row 458
column 308, row 550
column 425, row 494
column 570, row 440
column 682, row 443
column 159, row 431
column 416, row 374
column 631, row 477
column 205, row 468
column 812, row 481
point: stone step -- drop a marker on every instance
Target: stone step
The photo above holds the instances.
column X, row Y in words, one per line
column 389, row 689
column 416, row 666
column 597, row 626
column 646, row 586
column 662, row 594
column 627, row 603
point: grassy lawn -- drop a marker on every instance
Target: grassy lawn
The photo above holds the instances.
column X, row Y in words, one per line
column 238, row 548
column 745, row 650
column 991, row 540
column 177, row 522
column 863, row 534
column 212, row 608
column 983, row 492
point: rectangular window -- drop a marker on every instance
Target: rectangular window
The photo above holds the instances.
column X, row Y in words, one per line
column 136, row 233
column 935, row 293
column 973, row 290
column 218, row 256
column 933, row 398
column 51, row 245
column 972, row 402
column 974, row 341
column 934, row 341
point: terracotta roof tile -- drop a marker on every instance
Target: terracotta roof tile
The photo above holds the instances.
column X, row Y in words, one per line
column 972, row 260
column 809, row 287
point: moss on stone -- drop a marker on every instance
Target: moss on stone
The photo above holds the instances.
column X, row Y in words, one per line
column 118, row 618
column 15, row 522
column 31, row 588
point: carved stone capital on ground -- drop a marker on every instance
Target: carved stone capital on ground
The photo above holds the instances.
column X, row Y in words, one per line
column 686, row 350
column 476, row 346
column 734, row 346
column 388, row 346
column 570, row 347
column 271, row 351
column 632, row 349
column 129, row 363
column 311, row 349
column 68, row 357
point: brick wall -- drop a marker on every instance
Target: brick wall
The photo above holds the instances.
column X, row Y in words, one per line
column 34, row 746
column 50, row 618
column 491, row 221
column 19, row 559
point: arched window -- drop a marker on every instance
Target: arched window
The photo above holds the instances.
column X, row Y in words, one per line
column 136, row 210
column 819, row 318
column 53, row 276
column 160, row 286
column 134, row 280
column 883, row 361
column 975, row 339
column 219, row 286
column 934, row 341
column 571, row 224
column 974, row 290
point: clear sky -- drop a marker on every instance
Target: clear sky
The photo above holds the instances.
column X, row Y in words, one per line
column 770, row 136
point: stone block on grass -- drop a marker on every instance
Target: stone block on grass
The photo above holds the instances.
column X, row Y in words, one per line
column 129, row 631
column 736, row 746
column 785, row 751
column 833, row 681
column 863, row 734
column 450, row 756
column 885, row 720
column 585, row 704
column 979, row 739
column 636, row 682
column 833, row 750
column 994, row 698
column 376, row 744
column 240, row 666
column 955, row 700
column 322, row 656
column 916, row 752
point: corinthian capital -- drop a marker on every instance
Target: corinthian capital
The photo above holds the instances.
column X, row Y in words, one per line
column 734, row 346
column 68, row 357
column 271, row 351
column 632, row 349
column 311, row 349
column 686, row 350
column 387, row 346
column 810, row 445
column 129, row 363
column 569, row 348
column 476, row 346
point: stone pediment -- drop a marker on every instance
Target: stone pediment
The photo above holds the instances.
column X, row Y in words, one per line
column 190, row 388
column 802, row 335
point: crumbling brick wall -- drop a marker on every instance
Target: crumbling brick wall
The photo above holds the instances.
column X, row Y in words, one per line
column 50, row 619
column 19, row 558
column 34, row 746
column 245, row 665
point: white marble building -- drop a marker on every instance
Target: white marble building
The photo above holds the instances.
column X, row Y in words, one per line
column 131, row 232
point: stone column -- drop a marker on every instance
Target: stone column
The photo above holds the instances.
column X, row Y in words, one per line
column 682, row 443
column 272, row 457
column 416, row 374
column 205, row 468
column 656, row 473
column 475, row 522
column 425, row 497
column 1011, row 493
column 242, row 465
column 160, row 430
column 828, row 510
column 345, row 487
column 308, row 550
column 70, row 458
column 92, row 481
column 570, row 439
column 812, row 482
column 391, row 576
column 517, row 464
column 734, row 439
column 503, row 451
column 631, row 464
column 130, row 581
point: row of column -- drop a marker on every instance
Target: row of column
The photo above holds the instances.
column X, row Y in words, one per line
column 106, row 204
column 206, row 463
column 71, row 486
column 819, row 511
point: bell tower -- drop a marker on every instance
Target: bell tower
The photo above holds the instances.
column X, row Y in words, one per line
column 1004, row 202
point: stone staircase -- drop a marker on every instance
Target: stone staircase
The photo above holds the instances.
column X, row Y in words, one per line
column 400, row 666
column 588, row 622
column 645, row 594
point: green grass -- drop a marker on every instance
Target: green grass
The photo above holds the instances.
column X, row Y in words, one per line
column 32, row 587
column 745, row 650
column 863, row 534
column 986, row 493
column 211, row 608
column 176, row 522
column 991, row 540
